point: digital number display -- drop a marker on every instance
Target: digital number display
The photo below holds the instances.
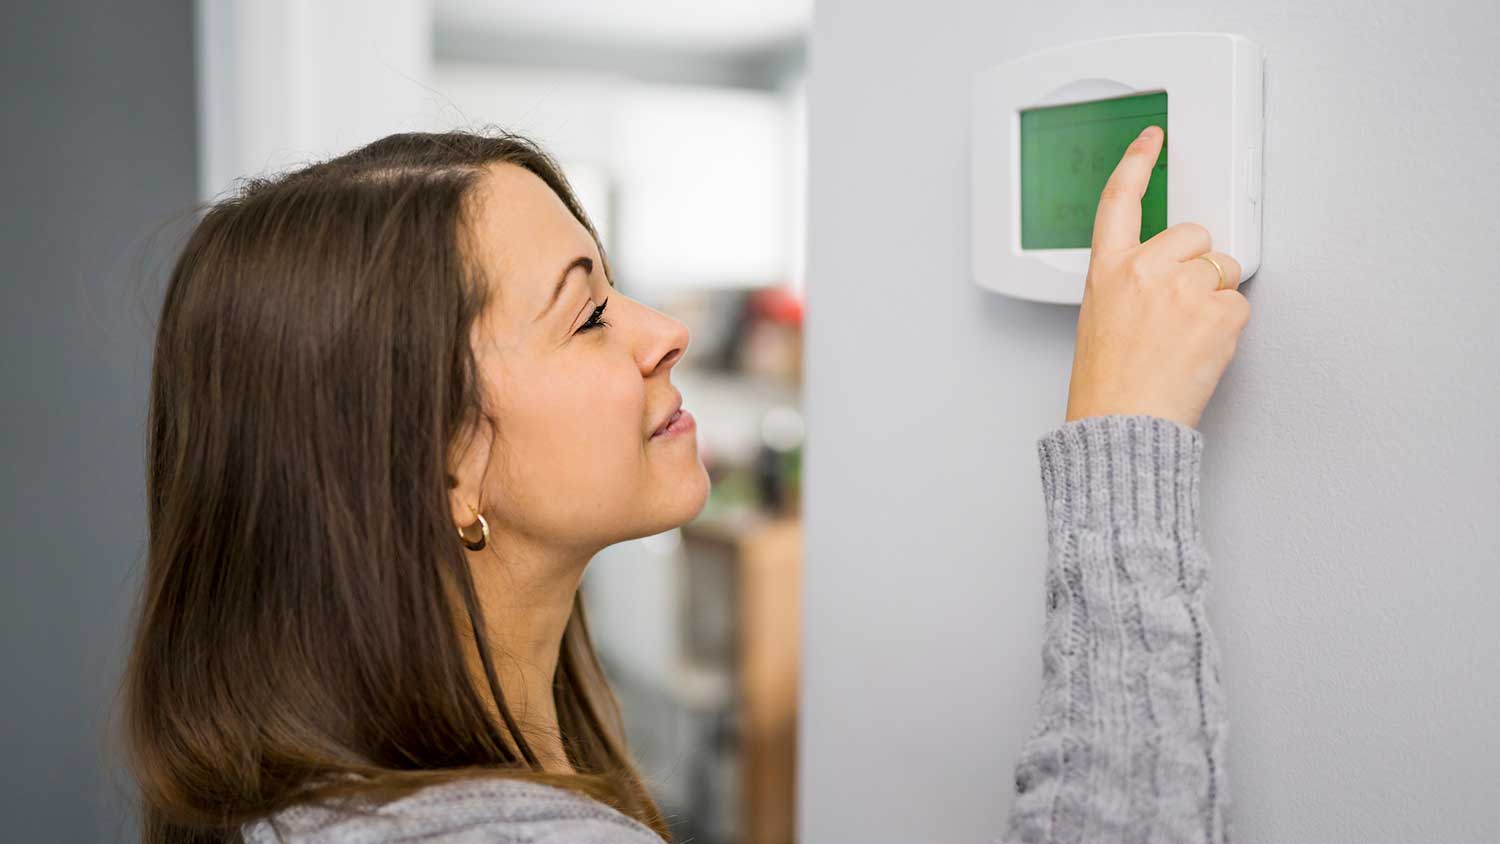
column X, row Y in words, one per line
column 1067, row 154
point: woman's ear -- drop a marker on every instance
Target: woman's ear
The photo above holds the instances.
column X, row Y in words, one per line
column 468, row 461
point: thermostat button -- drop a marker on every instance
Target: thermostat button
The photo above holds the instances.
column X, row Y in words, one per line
column 1252, row 175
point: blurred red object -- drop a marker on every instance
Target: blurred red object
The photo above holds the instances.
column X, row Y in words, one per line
column 778, row 304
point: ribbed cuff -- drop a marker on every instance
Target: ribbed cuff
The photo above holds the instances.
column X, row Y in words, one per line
column 1124, row 471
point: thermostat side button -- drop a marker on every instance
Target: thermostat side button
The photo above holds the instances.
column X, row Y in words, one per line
column 1252, row 174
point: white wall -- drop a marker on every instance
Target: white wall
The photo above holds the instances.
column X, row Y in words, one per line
column 1351, row 471
column 692, row 186
column 286, row 82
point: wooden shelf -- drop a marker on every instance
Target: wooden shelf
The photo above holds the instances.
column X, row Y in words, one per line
column 760, row 564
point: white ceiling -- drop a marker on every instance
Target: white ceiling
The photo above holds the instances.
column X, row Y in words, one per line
column 708, row 24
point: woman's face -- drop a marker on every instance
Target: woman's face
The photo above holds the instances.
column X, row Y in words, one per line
column 572, row 463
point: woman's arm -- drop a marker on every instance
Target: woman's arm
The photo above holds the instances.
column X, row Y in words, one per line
column 1129, row 743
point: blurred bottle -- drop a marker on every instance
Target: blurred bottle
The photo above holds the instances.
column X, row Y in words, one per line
column 772, row 341
column 778, row 463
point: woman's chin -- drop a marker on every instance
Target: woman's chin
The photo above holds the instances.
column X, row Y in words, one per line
column 684, row 497
column 692, row 496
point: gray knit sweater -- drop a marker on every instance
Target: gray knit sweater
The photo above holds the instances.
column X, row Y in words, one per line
column 1128, row 744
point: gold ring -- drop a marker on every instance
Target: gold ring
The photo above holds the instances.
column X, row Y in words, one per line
column 1217, row 267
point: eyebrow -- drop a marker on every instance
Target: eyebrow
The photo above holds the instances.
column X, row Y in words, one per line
column 581, row 261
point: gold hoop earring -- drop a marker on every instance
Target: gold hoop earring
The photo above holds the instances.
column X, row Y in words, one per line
column 484, row 531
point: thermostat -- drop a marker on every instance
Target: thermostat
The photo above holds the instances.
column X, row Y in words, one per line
column 1049, row 128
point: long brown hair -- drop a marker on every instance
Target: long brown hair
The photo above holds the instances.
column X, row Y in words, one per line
column 295, row 639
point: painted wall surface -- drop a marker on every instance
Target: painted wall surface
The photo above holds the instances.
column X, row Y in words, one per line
column 1351, row 470
column 98, row 161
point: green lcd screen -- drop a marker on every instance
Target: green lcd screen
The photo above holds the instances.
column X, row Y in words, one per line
column 1067, row 154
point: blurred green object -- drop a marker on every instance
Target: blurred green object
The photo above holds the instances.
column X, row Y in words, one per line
column 738, row 489
column 791, row 479
column 732, row 491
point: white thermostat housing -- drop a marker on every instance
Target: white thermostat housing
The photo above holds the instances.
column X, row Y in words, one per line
column 1050, row 127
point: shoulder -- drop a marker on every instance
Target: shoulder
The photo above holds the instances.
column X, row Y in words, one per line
column 492, row 811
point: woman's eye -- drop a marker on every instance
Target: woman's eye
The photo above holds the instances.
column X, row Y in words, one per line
column 594, row 320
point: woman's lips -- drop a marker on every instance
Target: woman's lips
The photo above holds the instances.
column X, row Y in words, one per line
column 680, row 423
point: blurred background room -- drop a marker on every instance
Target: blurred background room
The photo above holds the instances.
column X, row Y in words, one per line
column 680, row 125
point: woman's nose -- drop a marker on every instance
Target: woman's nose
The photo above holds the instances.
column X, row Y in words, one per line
column 669, row 342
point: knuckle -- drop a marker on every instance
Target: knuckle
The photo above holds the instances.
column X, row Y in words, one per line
column 1185, row 281
column 1184, row 303
column 1137, row 269
column 1197, row 230
column 1113, row 190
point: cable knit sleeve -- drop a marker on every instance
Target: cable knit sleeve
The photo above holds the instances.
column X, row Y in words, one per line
column 1130, row 735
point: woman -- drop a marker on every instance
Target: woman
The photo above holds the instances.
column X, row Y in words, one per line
column 397, row 406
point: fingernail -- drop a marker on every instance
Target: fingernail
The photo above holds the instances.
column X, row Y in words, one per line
column 1147, row 132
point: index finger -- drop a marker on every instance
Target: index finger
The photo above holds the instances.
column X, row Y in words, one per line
column 1117, row 224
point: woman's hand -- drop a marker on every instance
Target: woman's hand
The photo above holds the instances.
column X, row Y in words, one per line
column 1154, row 335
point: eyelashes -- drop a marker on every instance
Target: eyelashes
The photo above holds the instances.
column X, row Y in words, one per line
column 594, row 320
